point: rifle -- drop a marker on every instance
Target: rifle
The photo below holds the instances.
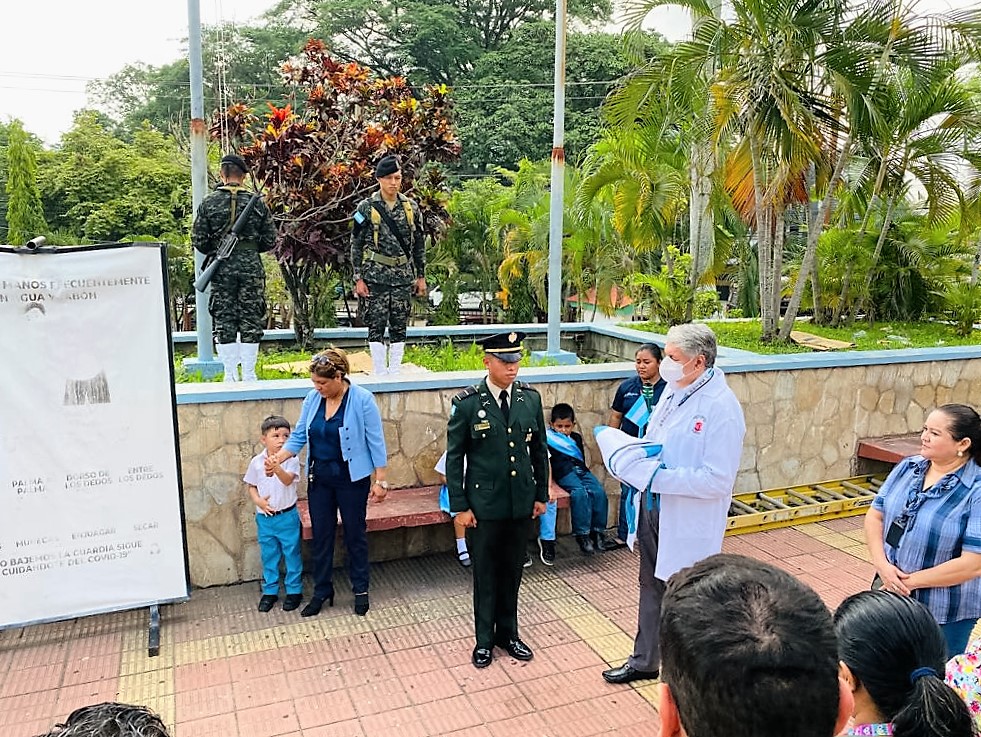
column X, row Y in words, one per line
column 225, row 248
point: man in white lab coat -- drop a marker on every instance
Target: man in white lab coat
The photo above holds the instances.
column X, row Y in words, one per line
column 683, row 511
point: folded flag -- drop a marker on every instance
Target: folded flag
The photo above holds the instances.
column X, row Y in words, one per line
column 634, row 461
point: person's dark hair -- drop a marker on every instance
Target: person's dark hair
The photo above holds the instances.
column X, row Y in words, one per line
column 110, row 720
column 653, row 348
column 563, row 411
column 747, row 650
column 330, row 363
column 274, row 422
column 896, row 650
column 965, row 423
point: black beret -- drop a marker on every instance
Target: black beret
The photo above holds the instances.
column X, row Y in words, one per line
column 235, row 160
column 506, row 346
column 388, row 165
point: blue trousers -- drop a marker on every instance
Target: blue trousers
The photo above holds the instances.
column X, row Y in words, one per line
column 332, row 490
column 622, row 517
column 587, row 500
column 957, row 634
column 546, row 522
column 279, row 537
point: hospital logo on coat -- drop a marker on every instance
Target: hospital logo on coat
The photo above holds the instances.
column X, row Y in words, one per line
column 698, row 425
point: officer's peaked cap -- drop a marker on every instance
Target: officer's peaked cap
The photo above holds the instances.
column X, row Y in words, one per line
column 506, row 346
column 388, row 165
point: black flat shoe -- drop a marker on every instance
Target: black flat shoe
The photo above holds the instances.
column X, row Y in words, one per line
column 604, row 544
column 518, row 650
column 482, row 657
column 313, row 607
column 291, row 602
column 627, row 674
column 361, row 605
column 267, row 601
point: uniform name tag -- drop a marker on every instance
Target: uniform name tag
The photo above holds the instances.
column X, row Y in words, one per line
column 481, row 426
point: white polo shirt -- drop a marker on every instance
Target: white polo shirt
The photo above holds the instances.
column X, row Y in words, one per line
column 280, row 495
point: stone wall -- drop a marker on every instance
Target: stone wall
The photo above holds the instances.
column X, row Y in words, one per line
column 802, row 425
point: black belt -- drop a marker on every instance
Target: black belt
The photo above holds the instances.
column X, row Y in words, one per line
column 283, row 511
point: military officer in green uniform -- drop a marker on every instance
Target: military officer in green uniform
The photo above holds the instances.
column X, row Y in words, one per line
column 238, row 290
column 498, row 428
column 388, row 254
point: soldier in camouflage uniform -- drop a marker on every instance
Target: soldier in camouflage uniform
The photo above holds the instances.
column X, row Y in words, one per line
column 238, row 289
column 389, row 263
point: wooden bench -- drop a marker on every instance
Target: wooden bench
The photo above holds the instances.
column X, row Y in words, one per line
column 889, row 449
column 412, row 507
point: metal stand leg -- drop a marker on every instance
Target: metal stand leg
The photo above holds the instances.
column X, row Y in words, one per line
column 153, row 648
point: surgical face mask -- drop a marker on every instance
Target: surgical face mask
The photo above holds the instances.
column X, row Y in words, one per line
column 672, row 371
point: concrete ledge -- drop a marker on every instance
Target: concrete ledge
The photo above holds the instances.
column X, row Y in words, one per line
column 889, row 449
column 415, row 507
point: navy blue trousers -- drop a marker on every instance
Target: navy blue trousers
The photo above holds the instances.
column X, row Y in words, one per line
column 331, row 490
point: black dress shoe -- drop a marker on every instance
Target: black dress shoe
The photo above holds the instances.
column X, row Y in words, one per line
column 361, row 604
column 518, row 650
column 313, row 607
column 291, row 602
column 482, row 657
column 625, row 674
column 267, row 601
column 604, row 544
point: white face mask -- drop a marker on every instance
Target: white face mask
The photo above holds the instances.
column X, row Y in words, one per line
column 672, row 371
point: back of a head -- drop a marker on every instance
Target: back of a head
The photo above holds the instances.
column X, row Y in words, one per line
column 747, row 650
column 111, row 720
column 896, row 650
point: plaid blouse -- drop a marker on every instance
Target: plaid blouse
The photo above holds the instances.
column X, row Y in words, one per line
column 942, row 522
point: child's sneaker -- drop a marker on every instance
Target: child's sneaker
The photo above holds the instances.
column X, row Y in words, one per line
column 585, row 544
column 546, row 551
column 527, row 563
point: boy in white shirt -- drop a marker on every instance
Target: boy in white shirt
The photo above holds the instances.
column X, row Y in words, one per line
column 277, row 520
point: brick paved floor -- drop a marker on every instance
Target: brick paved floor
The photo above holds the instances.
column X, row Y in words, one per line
column 225, row 670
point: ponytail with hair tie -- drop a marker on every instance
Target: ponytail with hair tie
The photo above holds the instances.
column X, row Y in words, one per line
column 922, row 673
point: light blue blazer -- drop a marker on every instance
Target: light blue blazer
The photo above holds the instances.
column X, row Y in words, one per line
column 362, row 438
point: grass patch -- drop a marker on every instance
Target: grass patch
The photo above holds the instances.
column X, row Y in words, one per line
column 745, row 335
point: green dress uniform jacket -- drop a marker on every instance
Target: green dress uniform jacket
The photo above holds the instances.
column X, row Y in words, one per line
column 507, row 462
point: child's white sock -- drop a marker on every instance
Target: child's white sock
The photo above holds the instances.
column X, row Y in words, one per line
column 461, row 545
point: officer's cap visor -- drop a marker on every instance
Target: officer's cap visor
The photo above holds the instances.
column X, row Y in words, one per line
column 506, row 356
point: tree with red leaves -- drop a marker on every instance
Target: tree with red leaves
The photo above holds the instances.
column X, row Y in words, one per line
column 314, row 159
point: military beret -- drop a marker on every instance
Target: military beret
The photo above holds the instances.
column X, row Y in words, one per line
column 506, row 346
column 235, row 160
column 388, row 165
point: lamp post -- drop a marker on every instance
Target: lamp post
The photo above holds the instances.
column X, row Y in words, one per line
column 553, row 352
column 204, row 362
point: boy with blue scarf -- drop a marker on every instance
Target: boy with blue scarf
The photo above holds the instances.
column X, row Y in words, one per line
column 587, row 498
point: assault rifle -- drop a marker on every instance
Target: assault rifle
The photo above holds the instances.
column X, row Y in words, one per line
column 225, row 248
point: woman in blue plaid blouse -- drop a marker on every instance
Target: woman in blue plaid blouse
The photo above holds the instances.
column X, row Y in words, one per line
column 923, row 529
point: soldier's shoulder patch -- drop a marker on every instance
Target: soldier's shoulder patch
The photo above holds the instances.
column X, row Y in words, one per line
column 524, row 385
column 468, row 392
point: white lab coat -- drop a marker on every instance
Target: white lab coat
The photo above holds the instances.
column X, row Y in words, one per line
column 702, row 442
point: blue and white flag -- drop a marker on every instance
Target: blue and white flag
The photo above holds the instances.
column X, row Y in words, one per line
column 563, row 444
column 634, row 461
column 639, row 414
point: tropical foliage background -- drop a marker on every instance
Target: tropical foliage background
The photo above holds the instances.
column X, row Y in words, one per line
column 791, row 157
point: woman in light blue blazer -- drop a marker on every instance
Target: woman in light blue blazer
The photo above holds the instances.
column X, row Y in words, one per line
column 341, row 423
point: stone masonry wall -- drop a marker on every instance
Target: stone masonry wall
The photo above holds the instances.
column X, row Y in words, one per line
column 802, row 426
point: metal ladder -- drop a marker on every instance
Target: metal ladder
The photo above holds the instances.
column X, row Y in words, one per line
column 797, row 505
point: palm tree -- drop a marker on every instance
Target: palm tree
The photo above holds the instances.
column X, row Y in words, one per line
column 795, row 84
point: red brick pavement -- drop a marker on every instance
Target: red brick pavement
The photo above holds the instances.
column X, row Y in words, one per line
column 227, row 671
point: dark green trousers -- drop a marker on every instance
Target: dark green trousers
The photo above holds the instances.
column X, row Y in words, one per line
column 497, row 548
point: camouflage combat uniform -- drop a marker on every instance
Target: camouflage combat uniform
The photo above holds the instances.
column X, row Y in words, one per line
column 386, row 268
column 238, row 289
